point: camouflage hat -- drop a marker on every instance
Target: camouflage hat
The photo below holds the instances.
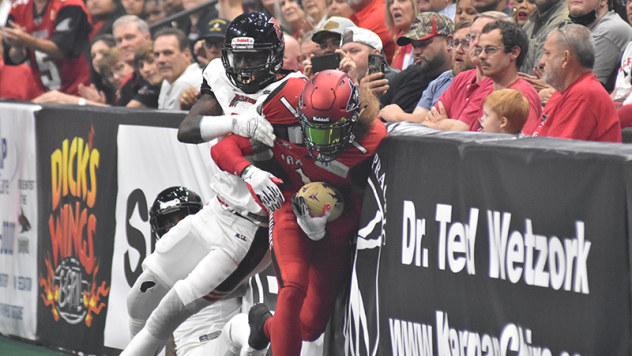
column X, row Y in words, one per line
column 426, row 25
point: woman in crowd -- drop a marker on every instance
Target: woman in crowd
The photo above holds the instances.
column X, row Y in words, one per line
column 317, row 11
column 153, row 11
column 104, row 13
column 296, row 20
column 114, row 69
column 100, row 90
column 464, row 11
column 522, row 11
column 339, row 8
column 134, row 7
column 399, row 15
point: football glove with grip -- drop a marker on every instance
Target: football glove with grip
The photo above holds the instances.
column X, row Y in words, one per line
column 251, row 124
column 263, row 187
column 314, row 227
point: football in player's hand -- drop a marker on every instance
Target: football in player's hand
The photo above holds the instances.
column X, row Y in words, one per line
column 318, row 194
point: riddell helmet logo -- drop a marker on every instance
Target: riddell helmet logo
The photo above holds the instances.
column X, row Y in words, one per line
column 243, row 43
column 320, row 119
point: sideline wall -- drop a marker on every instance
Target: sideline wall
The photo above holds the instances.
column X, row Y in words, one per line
column 470, row 244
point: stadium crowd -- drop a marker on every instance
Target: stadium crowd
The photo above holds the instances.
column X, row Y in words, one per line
column 106, row 52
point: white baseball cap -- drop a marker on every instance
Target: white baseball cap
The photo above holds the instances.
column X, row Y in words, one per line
column 334, row 24
column 361, row 35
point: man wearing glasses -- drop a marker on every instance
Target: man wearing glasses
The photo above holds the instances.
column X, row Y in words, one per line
column 501, row 50
column 458, row 106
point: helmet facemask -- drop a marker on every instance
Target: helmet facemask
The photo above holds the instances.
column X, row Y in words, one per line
column 326, row 142
column 252, row 76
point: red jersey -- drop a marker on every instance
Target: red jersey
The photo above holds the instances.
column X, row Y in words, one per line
column 583, row 111
column 295, row 160
column 67, row 24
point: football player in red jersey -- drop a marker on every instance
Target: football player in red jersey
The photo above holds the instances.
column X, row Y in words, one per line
column 53, row 36
column 311, row 257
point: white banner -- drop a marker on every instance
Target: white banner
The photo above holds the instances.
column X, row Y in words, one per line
column 18, row 214
column 150, row 159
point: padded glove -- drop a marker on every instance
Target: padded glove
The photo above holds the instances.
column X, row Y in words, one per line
column 251, row 124
column 314, row 227
column 263, row 187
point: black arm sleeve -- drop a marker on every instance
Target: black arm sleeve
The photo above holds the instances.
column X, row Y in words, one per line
column 205, row 88
column 71, row 31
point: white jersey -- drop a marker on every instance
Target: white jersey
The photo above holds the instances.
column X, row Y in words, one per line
column 231, row 189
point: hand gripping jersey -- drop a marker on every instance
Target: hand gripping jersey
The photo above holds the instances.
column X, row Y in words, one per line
column 232, row 100
column 67, row 24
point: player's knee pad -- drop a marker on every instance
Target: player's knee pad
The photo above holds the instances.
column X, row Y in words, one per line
column 169, row 314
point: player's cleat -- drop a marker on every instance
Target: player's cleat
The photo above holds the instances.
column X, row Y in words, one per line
column 257, row 317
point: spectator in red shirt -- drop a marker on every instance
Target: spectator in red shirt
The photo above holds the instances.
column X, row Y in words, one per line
column 399, row 15
column 501, row 49
column 53, row 36
column 580, row 109
column 369, row 14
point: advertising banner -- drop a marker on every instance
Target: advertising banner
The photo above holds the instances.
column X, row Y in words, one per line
column 150, row 159
column 18, row 214
column 77, row 172
column 475, row 245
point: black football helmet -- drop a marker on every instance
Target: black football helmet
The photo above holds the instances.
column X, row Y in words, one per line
column 171, row 206
column 252, row 52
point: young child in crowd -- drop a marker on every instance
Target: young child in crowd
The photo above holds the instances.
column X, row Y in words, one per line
column 504, row 111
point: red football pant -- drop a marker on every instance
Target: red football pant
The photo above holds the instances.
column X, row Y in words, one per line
column 310, row 275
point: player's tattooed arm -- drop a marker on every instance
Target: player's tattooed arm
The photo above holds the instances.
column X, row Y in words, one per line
column 189, row 130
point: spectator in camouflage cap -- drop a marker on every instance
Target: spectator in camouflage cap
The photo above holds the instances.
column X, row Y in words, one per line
column 429, row 35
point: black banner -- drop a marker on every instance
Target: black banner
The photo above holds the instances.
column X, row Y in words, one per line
column 475, row 245
column 77, row 173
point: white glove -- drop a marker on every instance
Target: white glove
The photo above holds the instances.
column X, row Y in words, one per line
column 263, row 187
column 314, row 227
column 251, row 124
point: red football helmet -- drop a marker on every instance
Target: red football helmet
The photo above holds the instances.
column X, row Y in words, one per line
column 329, row 109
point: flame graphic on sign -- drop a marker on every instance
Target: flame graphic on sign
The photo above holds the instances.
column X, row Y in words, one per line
column 50, row 295
column 91, row 301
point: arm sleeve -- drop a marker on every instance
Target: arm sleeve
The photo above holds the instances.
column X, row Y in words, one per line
column 229, row 153
column 71, row 31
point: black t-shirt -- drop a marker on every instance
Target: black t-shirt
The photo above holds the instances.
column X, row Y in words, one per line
column 137, row 88
column 406, row 88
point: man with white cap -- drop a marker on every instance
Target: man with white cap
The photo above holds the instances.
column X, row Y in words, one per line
column 358, row 43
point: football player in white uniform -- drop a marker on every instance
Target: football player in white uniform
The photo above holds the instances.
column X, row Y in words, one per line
column 206, row 256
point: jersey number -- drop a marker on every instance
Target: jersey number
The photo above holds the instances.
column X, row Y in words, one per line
column 50, row 74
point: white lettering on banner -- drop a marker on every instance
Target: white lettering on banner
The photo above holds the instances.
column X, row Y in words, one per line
column 460, row 240
column 537, row 260
column 412, row 338
column 513, row 256
column 409, row 338
column 411, row 241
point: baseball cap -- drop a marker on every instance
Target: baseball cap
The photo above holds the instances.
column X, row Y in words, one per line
column 427, row 25
column 334, row 24
column 361, row 35
column 215, row 28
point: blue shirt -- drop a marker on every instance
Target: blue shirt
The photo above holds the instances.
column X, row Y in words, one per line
column 430, row 96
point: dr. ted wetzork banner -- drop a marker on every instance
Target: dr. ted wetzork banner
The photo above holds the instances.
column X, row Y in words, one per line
column 492, row 247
